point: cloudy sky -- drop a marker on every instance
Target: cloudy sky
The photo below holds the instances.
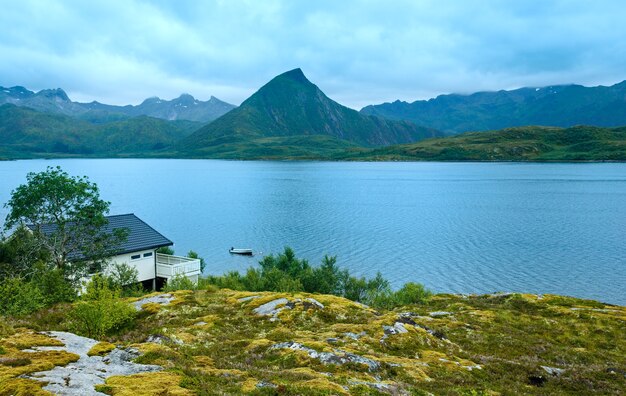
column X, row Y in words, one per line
column 358, row 52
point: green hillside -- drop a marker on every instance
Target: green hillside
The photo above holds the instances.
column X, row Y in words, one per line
column 26, row 133
column 313, row 147
column 291, row 106
column 534, row 143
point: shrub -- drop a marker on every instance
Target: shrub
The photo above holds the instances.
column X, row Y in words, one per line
column 412, row 293
column 125, row 278
column 286, row 273
column 19, row 297
column 180, row 282
column 231, row 280
column 53, row 285
column 100, row 312
column 5, row 329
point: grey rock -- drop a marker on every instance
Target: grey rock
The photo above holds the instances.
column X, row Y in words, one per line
column 249, row 298
column 437, row 314
column 80, row 377
column 265, row 384
column 397, row 328
column 272, row 308
column 158, row 339
column 315, row 303
column 379, row 386
column 499, row 295
column 355, row 336
column 162, row 299
column 339, row 357
column 595, row 309
column 553, row 370
column 407, row 318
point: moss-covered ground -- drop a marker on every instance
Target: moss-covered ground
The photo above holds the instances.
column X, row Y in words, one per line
column 212, row 342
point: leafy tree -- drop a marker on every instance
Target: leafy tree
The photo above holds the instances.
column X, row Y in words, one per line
column 67, row 217
column 124, row 277
column 195, row 255
column 165, row 250
column 19, row 252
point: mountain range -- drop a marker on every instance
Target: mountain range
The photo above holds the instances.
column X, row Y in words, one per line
column 560, row 106
column 291, row 118
column 291, row 108
column 56, row 101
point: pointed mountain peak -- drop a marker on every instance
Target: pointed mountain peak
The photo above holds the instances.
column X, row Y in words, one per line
column 295, row 75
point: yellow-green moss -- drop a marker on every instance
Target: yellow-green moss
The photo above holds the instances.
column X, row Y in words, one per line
column 38, row 361
column 249, row 385
column 159, row 383
column 25, row 338
column 151, row 307
column 101, row 349
column 22, row 387
column 324, row 385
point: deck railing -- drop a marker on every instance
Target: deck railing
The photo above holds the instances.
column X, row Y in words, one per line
column 169, row 266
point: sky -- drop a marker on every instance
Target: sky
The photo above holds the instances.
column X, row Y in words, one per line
column 358, row 52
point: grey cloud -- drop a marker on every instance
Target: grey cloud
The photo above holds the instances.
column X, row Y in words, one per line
column 359, row 52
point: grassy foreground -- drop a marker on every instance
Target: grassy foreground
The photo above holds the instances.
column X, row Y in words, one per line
column 213, row 342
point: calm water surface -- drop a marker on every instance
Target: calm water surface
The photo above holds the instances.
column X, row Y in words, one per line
column 456, row 227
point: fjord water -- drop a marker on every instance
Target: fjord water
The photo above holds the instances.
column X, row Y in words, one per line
column 456, row 227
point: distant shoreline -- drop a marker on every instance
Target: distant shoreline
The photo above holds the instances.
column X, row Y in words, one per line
column 324, row 160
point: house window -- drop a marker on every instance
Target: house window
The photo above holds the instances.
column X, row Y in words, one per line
column 135, row 257
column 149, row 254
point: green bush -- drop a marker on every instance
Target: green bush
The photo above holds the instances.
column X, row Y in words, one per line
column 230, row 280
column 53, row 285
column 286, row 273
column 100, row 312
column 412, row 293
column 19, row 297
column 180, row 282
column 5, row 329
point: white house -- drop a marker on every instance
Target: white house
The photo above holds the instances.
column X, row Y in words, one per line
column 139, row 251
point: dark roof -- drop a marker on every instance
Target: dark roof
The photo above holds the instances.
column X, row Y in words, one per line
column 140, row 235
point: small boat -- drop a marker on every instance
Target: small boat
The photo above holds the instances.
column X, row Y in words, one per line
column 244, row 252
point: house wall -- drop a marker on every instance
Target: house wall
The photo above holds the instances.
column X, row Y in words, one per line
column 145, row 265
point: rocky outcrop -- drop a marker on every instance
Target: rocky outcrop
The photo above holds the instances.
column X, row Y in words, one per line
column 79, row 378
